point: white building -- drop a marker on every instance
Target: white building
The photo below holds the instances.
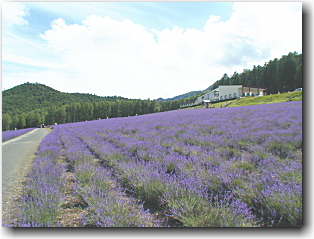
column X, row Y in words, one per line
column 225, row 92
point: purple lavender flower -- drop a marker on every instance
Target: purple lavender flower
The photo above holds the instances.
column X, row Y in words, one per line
column 229, row 167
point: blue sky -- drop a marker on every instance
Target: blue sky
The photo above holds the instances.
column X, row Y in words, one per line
column 157, row 15
column 142, row 49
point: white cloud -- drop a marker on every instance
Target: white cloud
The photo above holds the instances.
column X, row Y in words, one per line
column 257, row 31
column 110, row 57
column 13, row 13
column 123, row 58
column 273, row 28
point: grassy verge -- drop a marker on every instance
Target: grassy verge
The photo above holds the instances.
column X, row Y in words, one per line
column 268, row 99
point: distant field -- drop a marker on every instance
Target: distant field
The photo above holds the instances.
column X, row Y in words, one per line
column 223, row 167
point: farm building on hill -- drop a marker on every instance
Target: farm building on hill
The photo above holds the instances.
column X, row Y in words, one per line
column 227, row 92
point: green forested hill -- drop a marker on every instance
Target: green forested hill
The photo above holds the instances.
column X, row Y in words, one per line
column 32, row 104
column 31, row 96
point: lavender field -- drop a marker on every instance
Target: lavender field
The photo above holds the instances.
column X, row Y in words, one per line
column 6, row 135
column 224, row 167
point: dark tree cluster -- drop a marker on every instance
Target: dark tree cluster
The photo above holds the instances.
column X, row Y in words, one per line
column 77, row 112
column 281, row 75
column 30, row 105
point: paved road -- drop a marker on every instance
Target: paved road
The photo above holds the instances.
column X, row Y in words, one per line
column 17, row 155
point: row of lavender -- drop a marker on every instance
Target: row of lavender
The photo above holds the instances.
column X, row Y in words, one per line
column 6, row 135
column 39, row 205
column 232, row 167
column 107, row 204
column 44, row 194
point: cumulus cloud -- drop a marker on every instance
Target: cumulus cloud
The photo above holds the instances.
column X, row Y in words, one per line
column 124, row 58
column 270, row 28
column 13, row 13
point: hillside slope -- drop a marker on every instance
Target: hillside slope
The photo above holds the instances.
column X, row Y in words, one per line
column 31, row 96
column 268, row 99
column 32, row 104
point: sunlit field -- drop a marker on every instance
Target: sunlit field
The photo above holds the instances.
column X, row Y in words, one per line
column 223, row 167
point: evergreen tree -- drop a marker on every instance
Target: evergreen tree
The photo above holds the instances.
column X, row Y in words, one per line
column 6, row 122
column 22, row 122
column 61, row 115
column 14, row 121
column 271, row 76
column 235, row 80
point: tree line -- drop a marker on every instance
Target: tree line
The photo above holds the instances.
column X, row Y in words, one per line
column 77, row 112
column 31, row 96
column 283, row 75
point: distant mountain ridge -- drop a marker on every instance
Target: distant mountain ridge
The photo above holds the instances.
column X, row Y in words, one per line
column 187, row 95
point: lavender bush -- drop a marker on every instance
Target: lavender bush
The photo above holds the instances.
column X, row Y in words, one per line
column 40, row 203
column 227, row 167
column 107, row 203
column 6, row 135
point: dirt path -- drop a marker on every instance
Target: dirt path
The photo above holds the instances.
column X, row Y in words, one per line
column 17, row 156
